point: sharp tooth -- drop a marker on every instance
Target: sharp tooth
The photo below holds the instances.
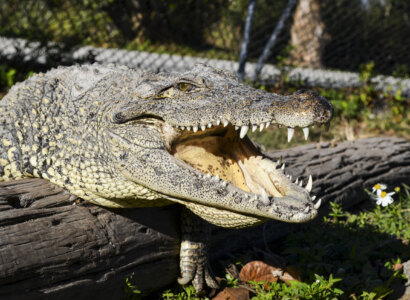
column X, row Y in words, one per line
column 317, row 205
column 209, row 125
column 306, row 132
column 216, row 177
column 307, row 209
column 203, row 127
column 283, row 167
column 313, row 198
column 182, row 128
column 195, row 128
column 301, row 183
column 244, row 131
column 208, row 175
column 309, row 184
column 261, row 126
column 297, row 181
column 265, row 197
column 226, row 122
column 291, row 131
column 267, row 124
column 218, row 122
column 224, row 183
column 254, row 127
column 237, row 127
column 188, row 128
column 279, row 161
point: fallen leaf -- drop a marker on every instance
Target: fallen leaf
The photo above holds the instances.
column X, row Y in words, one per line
column 232, row 294
column 260, row 271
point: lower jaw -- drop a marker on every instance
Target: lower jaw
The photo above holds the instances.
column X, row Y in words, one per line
column 223, row 218
column 236, row 161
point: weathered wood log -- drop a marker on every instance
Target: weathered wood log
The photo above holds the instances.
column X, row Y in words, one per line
column 341, row 173
column 53, row 246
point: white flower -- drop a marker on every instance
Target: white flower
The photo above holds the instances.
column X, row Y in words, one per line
column 379, row 187
column 382, row 198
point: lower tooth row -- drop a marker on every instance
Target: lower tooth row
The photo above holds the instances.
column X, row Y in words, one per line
column 264, row 196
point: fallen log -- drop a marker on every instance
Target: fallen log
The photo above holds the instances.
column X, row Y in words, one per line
column 54, row 246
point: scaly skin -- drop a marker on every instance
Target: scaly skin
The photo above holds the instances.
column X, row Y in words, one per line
column 122, row 138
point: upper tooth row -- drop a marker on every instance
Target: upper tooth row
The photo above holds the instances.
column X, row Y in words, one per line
column 291, row 131
column 244, row 128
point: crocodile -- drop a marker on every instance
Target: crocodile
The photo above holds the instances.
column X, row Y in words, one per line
column 123, row 138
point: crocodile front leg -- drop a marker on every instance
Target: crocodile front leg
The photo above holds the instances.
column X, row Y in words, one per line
column 194, row 252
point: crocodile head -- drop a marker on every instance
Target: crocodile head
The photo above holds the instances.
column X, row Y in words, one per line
column 183, row 135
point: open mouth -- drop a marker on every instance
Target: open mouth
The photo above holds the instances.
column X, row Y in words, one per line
column 226, row 155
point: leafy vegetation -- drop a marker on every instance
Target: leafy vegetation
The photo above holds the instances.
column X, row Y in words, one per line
column 343, row 256
column 372, row 30
column 321, row 288
column 359, row 112
column 9, row 76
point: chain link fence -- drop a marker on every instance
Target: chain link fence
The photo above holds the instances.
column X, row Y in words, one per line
column 315, row 37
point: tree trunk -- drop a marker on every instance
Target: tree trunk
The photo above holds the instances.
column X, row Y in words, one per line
column 308, row 35
column 54, row 246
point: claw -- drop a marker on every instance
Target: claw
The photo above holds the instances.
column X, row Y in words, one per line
column 210, row 279
column 184, row 280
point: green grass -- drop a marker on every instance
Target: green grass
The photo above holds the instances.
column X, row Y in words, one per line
column 343, row 255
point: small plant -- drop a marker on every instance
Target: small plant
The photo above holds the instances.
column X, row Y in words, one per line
column 320, row 288
column 9, row 76
column 186, row 292
column 131, row 292
column 230, row 281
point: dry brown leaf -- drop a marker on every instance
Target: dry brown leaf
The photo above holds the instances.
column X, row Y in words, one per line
column 232, row 294
column 260, row 271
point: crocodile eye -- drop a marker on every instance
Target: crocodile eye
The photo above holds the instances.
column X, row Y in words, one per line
column 185, row 87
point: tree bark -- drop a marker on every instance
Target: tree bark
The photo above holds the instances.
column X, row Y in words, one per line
column 308, row 35
column 54, row 246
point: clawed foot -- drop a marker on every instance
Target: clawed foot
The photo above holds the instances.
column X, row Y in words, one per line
column 194, row 253
column 195, row 267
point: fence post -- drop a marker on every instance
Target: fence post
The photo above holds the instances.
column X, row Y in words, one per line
column 246, row 37
column 273, row 37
